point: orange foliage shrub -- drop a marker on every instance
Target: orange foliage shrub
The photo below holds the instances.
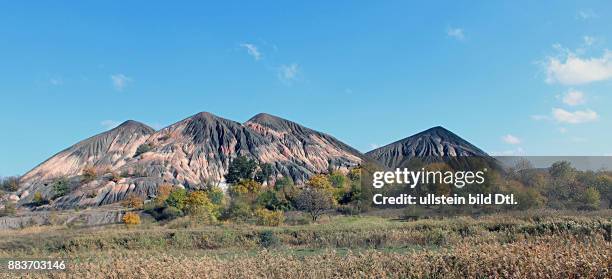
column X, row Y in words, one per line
column 89, row 174
column 133, row 201
column 131, row 218
column 163, row 192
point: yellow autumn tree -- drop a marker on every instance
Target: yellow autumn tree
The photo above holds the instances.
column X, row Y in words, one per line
column 247, row 187
column 198, row 205
column 163, row 192
column 271, row 218
column 131, row 219
column 321, row 182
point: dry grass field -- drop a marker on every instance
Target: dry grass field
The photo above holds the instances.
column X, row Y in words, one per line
column 525, row 245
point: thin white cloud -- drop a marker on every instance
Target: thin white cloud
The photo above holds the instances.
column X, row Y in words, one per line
column 56, row 81
column 574, row 98
column 562, row 130
column 510, row 139
column 589, row 40
column 570, row 69
column 288, row 73
column 512, row 152
column 252, row 50
column 120, row 81
column 586, row 14
column 109, row 124
column 539, row 117
column 456, row 33
column 575, row 117
column 374, row 145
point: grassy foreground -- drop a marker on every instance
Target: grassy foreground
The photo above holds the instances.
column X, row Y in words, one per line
column 542, row 245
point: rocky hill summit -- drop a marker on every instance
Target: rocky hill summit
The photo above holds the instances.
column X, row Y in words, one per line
column 431, row 145
column 192, row 153
column 197, row 149
column 134, row 159
column 111, row 149
column 298, row 151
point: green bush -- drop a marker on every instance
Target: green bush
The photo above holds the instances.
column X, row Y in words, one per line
column 283, row 182
column 268, row 239
column 349, row 209
column 352, row 195
column 170, row 213
column 60, row 187
column 143, row 148
column 591, row 199
column 10, row 184
column 198, row 205
column 238, row 210
column 240, row 168
column 529, row 198
column 436, row 236
column 272, row 200
column 337, row 179
column 265, row 171
column 246, row 188
column 412, row 213
column 216, row 196
column 354, row 175
column 39, row 200
column 269, row 218
column 177, row 199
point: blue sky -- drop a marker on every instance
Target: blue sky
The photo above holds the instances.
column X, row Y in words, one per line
column 514, row 77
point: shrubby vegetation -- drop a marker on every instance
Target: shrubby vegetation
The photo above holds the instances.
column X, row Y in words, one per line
column 131, row 219
column 256, row 193
column 60, row 187
column 199, row 205
column 171, row 202
column 562, row 187
column 267, row 217
column 255, row 196
column 89, row 174
column 241, row 168
column 113, row 176
column 314, row 202
column 133, row 201
column 9, row 209
column 533, row 242
column 9, row 184
column 559, row 187
column 264, row 173
column 39, row 200
column 143, row 148
column 520, row 245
